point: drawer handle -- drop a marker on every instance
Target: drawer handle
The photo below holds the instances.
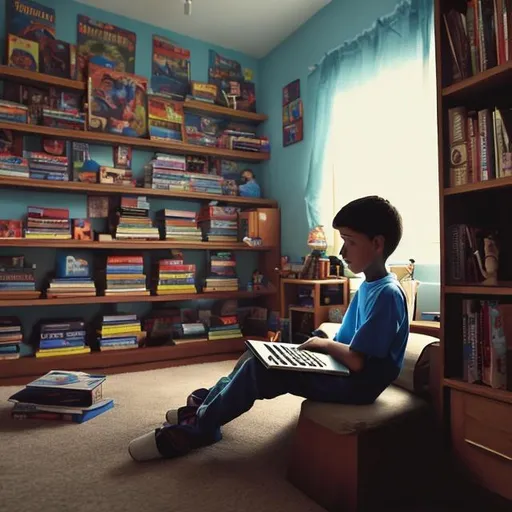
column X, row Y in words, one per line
column 485, row 448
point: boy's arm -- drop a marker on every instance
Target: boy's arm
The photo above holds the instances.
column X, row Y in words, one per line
column 352, row 359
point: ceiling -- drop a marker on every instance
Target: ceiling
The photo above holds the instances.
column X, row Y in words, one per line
column 253, row 27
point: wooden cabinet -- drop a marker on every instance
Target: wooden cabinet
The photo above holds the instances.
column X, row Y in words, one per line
column 318, row 298
column 481, row 432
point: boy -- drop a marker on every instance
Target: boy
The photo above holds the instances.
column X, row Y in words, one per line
column 370, row 342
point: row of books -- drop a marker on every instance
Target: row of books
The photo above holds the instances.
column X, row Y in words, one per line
column 478, row 36
column 480, row 144
column 487, row 347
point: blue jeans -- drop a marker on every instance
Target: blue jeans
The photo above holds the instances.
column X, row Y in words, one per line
column 250, row 381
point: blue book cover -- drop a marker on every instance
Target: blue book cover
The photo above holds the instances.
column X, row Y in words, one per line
column 70, row 266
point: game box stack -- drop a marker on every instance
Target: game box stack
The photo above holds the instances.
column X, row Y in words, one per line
column 219, row 223
column 73, row 278
column 66, row 338
column 62, row 395
column 167, row 172
column 17, row 280
column 132, row 220
column 125, row 275
column 119, row 332
column 14, row 166
column 174, row 276
column 224, row 327
column 222, row 275
column 10, row 338
column 43, row 166
column 48, row 223
column 179, row 226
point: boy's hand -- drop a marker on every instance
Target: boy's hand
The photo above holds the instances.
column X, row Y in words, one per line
column 315, row 344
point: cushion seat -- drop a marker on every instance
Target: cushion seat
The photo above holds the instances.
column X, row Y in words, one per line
column 393, row 405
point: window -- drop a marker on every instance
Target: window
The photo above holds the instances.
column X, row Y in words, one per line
column 383, row 141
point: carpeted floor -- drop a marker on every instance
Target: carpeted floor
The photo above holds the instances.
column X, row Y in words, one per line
column 48, row 466
column 53, row 467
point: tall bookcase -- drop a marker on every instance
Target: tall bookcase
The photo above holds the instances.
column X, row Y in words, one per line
column 268, row 255
column 475, row 185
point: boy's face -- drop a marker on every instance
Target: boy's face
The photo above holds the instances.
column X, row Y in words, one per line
column 359, row 251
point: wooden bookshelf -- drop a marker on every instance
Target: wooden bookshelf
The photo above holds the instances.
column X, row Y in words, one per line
column 35, row 78
column 468, row 289
column 500, row 395
column 496, row 184
column 220, row 111
column 181, row 148
column 477, row 417
column 128, row 245
column 484, row 83
column 101, row 189
column 25, row 369
column 126, row 298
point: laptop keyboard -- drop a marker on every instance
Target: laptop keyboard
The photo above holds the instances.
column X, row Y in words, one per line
column 288, row 355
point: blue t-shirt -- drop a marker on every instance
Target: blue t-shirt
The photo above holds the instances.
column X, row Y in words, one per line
column 376, row 324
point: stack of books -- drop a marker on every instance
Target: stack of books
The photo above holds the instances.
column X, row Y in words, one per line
column 73, row 279
column 224, row 327
column 219, row 223
column 13, row 112
column 174, row 276
column 119, row 332
column 222, row 275
column 208, row 183
column 125, row 274
column 62, row 395
column 48, row 223
column 67, row 338
column 44, row 166
column 190, row 332
column 65, row 119
column 133, row 222
column 179, row 226
column 243, row 141
column 166, row 172
column 14, row 166
column 17, row 280
column 10, row 338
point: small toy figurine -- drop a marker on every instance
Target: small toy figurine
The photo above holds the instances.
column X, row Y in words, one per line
column 249, row 187
column 489, row 269
column 257, row 280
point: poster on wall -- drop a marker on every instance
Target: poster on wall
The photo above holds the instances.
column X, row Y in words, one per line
column 104, row 44
column 292, row 114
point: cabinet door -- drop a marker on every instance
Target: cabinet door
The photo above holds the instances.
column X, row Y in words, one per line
column 482, row 439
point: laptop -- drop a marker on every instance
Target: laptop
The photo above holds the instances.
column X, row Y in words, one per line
column 284, row 356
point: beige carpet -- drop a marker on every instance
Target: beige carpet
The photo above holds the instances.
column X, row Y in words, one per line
column 51, row 466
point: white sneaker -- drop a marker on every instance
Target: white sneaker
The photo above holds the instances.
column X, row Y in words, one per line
column 171, row 416
column 144, row 448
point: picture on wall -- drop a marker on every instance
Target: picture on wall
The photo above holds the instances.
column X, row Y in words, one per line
column 110, row 45
column 117, row 102
column 293, row 131
column 30, row 20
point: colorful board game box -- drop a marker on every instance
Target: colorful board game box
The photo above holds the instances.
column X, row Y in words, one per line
column 22, row 53
column 117, row 102
column 30, row 20
column 95, row 38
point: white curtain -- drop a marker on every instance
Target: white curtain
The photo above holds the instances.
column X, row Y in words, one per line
column 383, row 141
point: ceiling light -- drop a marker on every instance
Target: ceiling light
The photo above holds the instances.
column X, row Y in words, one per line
column 188, row 7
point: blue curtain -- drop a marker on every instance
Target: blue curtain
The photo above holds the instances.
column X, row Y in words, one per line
column 404, row 34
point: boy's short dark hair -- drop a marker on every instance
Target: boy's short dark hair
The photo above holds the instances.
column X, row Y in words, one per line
column 372, row 216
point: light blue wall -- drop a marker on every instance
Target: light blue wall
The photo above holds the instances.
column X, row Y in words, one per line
column 285, row 175
column 13, row 203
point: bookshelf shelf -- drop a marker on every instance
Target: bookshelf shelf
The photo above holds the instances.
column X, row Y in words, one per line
column 102, row 189
column 128, row 245
column 481, row 84
column 474, row 316
column 480, row 290
column 181, row 148
column 498, row 183
column 477, row 389
column 35, row 78
column 218, row 110
column 25, row 369
column 123, row 299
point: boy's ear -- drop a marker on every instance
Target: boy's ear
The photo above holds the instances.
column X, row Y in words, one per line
column 378, row 243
